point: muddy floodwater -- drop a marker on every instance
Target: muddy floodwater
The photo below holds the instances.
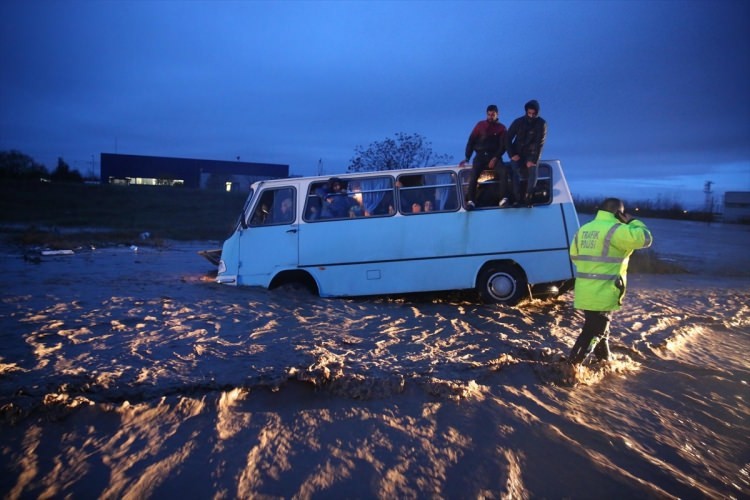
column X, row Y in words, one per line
column 130, row 373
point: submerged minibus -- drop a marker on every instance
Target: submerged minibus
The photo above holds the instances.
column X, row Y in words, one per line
column 403, row 231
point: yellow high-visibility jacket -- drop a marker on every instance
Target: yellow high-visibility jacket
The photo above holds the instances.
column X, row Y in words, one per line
column 600, row 251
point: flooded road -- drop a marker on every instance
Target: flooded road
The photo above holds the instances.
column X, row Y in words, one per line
column 131, row 374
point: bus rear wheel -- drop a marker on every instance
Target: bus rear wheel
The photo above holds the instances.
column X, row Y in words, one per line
column 503, row 284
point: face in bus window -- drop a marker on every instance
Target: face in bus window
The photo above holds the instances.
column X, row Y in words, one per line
column 286, row 209
column 428, row 206
column 416, row 208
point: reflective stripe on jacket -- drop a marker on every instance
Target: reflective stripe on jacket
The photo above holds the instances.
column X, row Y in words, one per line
column 600, row 251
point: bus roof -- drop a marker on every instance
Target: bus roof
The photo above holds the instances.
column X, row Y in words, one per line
column 370, row 173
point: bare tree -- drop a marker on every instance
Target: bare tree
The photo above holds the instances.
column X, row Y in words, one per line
column 403, row 151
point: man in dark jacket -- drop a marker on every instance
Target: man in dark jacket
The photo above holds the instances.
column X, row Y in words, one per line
column 487, row 139
column 524, row 142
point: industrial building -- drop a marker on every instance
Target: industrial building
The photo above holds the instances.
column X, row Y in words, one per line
column 187, row 172
column 737, row 206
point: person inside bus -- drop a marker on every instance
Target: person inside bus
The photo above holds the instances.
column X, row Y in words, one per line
column 334, row 198
column 354, row 192
column 284, row 214
column 262, row 214
column 410, row 194
column 428, row 206
column 355, row 209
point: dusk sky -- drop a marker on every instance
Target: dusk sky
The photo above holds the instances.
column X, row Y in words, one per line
column 643, row 99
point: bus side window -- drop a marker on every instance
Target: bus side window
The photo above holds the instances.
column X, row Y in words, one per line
column 374, row 195
column 446, row 191
column 314, row 204
column 386, row 205
column 423, row 193
column 411, row 198
column 276, row 206
column 262, row 211
column 543, row 190
column 355, row 199
column 283, row 210
column 368, row 197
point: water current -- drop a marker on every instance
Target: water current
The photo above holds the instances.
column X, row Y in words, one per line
column 131, row 374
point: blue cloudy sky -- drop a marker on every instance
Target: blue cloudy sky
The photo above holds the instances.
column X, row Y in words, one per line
column 644, row 99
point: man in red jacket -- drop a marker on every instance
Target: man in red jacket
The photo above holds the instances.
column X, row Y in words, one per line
column 487, row 139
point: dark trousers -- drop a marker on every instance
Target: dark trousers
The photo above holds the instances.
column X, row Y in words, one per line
column 520, row 172
column 594, row 337
column 481, row 163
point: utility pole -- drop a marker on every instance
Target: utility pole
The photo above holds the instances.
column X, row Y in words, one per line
column 709, row 208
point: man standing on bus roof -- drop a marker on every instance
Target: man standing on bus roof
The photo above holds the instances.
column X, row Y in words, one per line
column 600, row 251
column 524, row 142
column 487, row 139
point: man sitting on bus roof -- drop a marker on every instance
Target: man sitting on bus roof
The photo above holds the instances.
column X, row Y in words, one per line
column 487, row 139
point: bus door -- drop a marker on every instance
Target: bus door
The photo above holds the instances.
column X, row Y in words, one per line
column 270, row 242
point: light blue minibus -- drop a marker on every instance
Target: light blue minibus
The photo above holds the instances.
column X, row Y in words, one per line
column 403, row 231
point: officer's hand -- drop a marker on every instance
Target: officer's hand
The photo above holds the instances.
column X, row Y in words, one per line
column 623, row 217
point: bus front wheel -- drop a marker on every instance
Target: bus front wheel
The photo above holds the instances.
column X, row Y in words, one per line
column 502, row 283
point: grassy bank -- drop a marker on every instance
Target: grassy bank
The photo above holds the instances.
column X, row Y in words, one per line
column 128, row 211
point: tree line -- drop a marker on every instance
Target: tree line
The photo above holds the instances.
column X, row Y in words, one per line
column 399, row 152
column 16, row 165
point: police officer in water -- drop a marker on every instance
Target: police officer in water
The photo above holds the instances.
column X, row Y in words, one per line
column 600, row 251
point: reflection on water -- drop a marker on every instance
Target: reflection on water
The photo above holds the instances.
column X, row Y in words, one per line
column 130, row 375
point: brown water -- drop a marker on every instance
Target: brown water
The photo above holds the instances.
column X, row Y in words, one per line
column 131, row 374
